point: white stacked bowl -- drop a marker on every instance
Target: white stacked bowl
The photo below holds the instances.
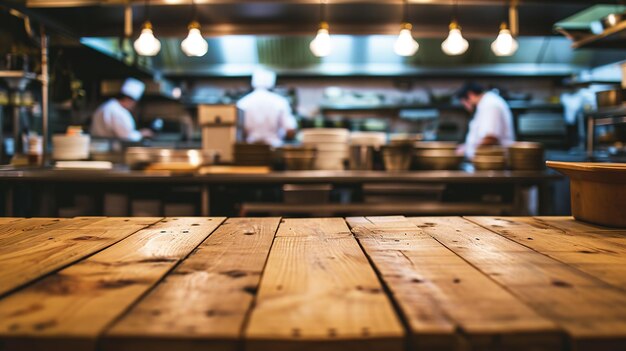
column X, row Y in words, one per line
column 70, row 147
column 331, row 145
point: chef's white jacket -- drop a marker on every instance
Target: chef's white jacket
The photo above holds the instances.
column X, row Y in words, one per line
column 493, row 117
column 267, row 117
column 112, row 120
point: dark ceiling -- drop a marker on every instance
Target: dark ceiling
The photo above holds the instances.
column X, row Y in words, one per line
column 479, row 18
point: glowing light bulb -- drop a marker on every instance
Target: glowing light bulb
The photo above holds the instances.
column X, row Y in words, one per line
column 147, row 44
column 321, row 46
column 505, row 44
column 612, row 19
column 454, row 44
column 405, row 44
column 194, row 44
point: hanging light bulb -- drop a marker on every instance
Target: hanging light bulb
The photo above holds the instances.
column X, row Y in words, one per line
column 147, row 44
column 612, row 19
column 405, row 44
column 505, row 44
column 194, row 44
column 454, row 44
column 321, row 46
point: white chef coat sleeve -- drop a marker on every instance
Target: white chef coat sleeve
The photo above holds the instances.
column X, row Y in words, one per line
column 123, row 125
column 489, row 122
column 286, row 120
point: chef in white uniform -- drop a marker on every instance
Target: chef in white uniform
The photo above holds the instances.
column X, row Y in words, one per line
column 267, row 115
column 492, row 123
column 113, row 119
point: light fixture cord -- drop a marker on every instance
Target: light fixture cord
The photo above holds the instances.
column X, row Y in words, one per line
column 405, row 12
column 455, row 7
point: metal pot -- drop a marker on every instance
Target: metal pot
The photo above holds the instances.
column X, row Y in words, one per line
column 608, row 98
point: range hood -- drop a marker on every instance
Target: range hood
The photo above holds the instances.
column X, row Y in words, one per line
column 362, row 55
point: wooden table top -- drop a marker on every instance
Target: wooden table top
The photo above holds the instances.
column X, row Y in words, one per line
column 362, row 283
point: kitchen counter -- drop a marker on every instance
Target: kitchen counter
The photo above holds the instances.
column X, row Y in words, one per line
column 121, row 175
column 375, row 283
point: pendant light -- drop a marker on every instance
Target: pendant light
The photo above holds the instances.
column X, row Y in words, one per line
column 405, row 45
column 147, row 44
column 505, row 44
column 454, row 44
column 322, row 46
column 194, row 45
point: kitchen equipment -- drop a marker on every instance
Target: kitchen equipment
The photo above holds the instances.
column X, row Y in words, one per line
column 297, row 158
column 306, row 193
column 83, row 165
column 489, row 163
column 331, row 145
column 526, row 156
column 167, row 159
column 397, row 157
column 438, row 159
column 361, row 157
column 220, row 129
column 70, row 147
column 598, row 191
column 253, row 154
column 375, row 139
column 494, row 150
column 434, row 145
column 608, row 98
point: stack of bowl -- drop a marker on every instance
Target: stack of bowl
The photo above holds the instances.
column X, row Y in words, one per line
column 70, row 147
column 525, row 156
column 331, row 145
column 436, row 155
column 363, row 149
column 489, row 158
column 297, row 158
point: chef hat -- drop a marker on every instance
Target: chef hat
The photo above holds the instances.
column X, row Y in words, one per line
column 264, row 79
column 133, row 88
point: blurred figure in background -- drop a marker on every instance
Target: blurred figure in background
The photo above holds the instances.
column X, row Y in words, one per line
column 114, row 120
column 492, row 122
column 267, row 115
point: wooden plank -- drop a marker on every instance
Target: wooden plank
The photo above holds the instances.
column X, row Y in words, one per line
column 5, row 220
column 589, row 253
column 571, row 225
column 440, row 294
column 318, row 292
column 202, row 304
column 30, row 254
column 69, row 309
column 592, row 312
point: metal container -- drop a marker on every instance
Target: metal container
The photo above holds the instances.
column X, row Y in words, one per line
column 526, row 156
column 396, row 157
column 143, row 157
column 608, row 98
column 361, row 157
column 489, row 163
column 297, row 158
column 438, row 160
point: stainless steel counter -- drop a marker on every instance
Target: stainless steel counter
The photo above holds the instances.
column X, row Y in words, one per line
column 122, row 175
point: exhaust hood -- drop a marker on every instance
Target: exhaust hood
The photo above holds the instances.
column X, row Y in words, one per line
column 359, row 55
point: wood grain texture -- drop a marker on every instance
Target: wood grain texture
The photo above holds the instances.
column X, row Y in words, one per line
column 448, row 304
column 203, row 303
column 318, row 292
column 70, row 309
column 6, row 220
column 602, row 255
column 592, row 312
column 35, row 247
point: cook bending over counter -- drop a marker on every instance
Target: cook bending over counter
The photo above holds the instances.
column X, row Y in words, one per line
column 492, row 122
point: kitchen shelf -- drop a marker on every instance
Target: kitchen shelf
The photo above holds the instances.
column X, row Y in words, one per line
column 389, row 109
column 612, row 38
